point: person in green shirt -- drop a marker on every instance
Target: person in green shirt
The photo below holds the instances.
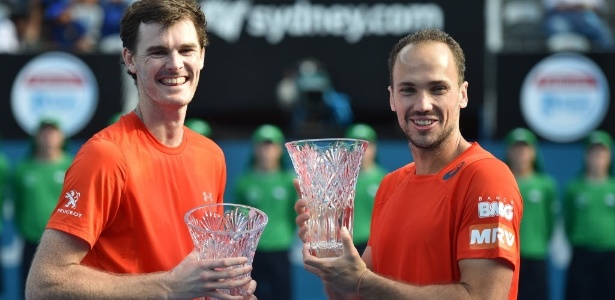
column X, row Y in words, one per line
column 370, row 175
column 539, row 192
column 4, row 177
column 589, row 215
column 267, row 184
column 37, row 184
column 4, row 182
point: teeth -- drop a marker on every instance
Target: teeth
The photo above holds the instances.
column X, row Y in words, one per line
column 423, row 122
column 173, row 81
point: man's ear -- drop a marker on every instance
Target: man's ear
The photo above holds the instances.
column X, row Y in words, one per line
column 129, row 60
column 463, row 95
column 391, row 102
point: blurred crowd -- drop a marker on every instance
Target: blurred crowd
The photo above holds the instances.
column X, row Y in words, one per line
column 80, row 26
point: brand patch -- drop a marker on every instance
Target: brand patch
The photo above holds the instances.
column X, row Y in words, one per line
column 448, row 175
column 488, row 236
column 488, row 209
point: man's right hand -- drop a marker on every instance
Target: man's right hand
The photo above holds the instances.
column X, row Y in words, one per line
column 194, row 278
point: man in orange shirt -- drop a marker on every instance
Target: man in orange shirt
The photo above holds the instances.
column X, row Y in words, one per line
column 447, row 225
column 118, row 230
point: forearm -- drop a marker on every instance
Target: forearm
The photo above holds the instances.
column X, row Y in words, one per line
column 82, row 282
column 375, row 287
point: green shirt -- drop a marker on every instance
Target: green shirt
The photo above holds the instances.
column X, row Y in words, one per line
column 36, row 189
column 4, row 175
column 367, row 185
column 274, row 194
column 539, row 196
column 589, row 210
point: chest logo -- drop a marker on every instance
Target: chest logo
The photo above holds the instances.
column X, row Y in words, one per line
column 208, row 197
column 448, row 175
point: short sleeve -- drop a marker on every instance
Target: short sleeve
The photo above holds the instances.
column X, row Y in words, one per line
column 92, row 191
column 491, row 213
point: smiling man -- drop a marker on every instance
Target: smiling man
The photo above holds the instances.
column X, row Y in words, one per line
column 118, row 231
column 447, row 225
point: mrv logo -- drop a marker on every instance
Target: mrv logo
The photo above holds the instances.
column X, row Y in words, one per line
column 227, row 19
column 486, row 236
column 487, row 209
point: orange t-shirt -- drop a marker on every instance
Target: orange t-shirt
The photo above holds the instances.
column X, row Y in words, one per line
column 126, row 195
column 423, row 225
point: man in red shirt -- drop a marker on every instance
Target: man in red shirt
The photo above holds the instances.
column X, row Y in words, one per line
column 118, row 229
column 447, row 225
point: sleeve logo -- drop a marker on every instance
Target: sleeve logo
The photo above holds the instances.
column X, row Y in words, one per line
column 488, row 209
column 488, row 236
column 71, row 197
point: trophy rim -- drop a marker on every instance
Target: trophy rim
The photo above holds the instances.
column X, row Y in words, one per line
column 255, row 229
column 319, row 140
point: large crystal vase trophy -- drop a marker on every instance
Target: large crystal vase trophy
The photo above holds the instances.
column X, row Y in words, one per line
column 226, row 230
column 327, row 171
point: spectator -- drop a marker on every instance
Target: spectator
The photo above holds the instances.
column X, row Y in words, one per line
column 37, row 185
column 585, row 18
column 589, row 215
column 9, row 40
column 267, row 184
column 26, row 16
column 113, row 10
column 370, row 175
column 74, row 24
column 538, row 190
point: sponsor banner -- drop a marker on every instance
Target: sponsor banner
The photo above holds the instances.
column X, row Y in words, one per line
column 564, row 97
column 55, row 85
column 561, row 97
column 81, row 92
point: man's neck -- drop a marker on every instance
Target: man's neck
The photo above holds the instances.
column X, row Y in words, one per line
column 168, row 132
column 431, row 161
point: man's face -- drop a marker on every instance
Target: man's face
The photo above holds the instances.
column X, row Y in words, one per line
column 521, row 156
column 268, row 153
column 167, row 63
column 426, row 95
column 49, row 138
column 598, row 158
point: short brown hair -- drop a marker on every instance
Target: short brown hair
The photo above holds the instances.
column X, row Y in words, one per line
column 430, row 35
column 164, row 12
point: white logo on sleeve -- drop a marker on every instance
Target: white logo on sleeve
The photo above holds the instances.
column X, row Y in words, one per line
column 486, row 236
column 488, row 209
column 71, row 197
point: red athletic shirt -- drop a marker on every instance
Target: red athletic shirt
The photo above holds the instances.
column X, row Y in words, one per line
column 423, row 225
column 126, row 195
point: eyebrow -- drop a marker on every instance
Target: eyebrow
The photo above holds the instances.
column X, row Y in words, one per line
column 163, row 48
column 430, row 83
